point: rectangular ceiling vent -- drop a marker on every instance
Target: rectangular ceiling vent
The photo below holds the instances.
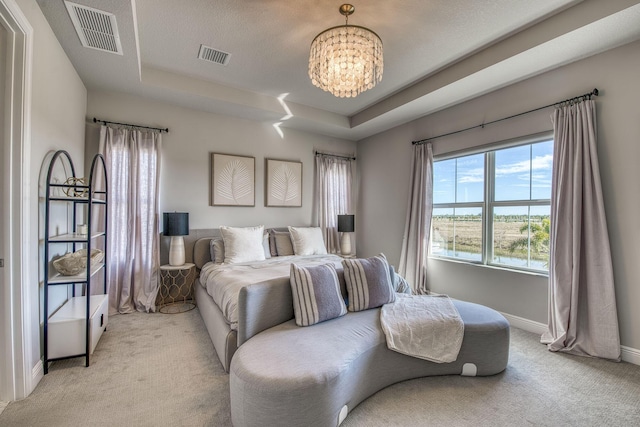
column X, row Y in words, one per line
column 96, row 29
column 213, row 55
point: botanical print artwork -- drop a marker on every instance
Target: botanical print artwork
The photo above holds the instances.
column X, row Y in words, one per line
column 232, row 180
column 283, row 182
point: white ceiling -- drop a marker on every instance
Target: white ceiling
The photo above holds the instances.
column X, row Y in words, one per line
column 436, row 53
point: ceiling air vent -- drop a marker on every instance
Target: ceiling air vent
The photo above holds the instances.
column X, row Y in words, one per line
column 213, row 55
column 96, row 29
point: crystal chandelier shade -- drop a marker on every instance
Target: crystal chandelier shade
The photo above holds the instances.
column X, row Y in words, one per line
column 346, row 60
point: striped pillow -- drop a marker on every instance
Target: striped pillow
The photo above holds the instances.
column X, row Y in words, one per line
column 316, row 294
column 368, row 282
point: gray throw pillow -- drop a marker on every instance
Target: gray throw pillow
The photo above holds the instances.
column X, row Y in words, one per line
column 316, row 294
column 283, row 242
column 368, row 282
column 217, row 250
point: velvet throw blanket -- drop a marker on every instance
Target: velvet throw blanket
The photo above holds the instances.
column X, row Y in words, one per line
column 423, row 326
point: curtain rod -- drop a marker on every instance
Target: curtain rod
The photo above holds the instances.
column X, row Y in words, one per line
column 127, row 124
column 318, row 153
column 569, row 100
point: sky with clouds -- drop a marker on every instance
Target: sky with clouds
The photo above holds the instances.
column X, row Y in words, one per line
column 521, row 173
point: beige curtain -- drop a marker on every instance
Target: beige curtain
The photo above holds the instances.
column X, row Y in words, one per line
column 133, row 169
column 415, row 242
column 582, row 306
column 333, row 179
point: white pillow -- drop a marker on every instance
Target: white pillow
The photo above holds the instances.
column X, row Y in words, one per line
column 242, row 244
column 307, row 241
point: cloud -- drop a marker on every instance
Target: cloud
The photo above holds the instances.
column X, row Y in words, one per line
column 538, row 163
column 471, row 175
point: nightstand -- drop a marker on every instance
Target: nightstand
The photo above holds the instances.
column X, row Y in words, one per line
column 176, row 288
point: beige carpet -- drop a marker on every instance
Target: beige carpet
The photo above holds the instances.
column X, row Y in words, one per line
column 158, row 369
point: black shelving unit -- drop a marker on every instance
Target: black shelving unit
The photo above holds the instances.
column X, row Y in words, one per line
column 83, row 196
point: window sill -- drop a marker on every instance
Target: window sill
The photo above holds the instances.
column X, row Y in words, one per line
column 490, row 266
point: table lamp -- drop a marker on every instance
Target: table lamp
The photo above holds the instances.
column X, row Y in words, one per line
column 346, row 225
column 176, row 225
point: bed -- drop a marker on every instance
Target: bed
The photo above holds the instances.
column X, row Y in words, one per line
column 218, row 286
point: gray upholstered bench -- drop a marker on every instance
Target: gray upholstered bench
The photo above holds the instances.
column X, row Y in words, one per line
column 313, row 376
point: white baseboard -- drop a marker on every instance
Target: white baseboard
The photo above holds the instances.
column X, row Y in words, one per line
column 525, row 324
column 37, row 373
column 628, row 354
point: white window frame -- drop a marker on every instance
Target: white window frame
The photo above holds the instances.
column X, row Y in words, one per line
column 489, row 203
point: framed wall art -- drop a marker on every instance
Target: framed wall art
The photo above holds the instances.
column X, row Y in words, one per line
column 283, row 183
column 232, row 180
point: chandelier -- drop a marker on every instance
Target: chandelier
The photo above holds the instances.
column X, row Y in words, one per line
column 346, row 60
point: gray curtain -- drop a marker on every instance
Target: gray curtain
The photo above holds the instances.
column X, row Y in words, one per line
column 132, row 158
column 415, row 242
column 333, row 179
column 582, row 306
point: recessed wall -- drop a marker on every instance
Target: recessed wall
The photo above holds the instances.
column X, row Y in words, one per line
column 186, row 149
column 385, row 160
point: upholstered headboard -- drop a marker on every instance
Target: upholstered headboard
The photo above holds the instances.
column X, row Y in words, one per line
column 202, row 251
column 196, row 245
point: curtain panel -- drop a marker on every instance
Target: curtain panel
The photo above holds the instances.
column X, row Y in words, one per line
column 333, row 180
column 133, row 166
column 582, row 306
column 415, row 241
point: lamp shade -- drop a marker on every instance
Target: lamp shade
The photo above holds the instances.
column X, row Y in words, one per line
column 346, row 223
column 175, row 223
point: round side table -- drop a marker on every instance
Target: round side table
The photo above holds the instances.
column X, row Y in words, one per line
column 176, row 288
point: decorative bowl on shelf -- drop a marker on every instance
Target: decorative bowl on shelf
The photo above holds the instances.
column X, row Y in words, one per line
column 73, row 263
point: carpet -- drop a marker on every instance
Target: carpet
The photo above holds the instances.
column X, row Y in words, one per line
column 161, row 369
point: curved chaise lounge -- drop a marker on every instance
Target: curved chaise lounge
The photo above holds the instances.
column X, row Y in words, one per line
column 313, row 376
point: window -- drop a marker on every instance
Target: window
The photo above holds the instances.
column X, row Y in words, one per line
column 494, row 207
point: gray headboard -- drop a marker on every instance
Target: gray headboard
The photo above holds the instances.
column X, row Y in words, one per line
column 196, row 245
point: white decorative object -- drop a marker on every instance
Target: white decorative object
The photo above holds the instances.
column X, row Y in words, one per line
column 83, row 230
column 283, row 183
column 346, row 60
column 74, row 263
column 232, row 180
column 345, row 244
column 176, row 251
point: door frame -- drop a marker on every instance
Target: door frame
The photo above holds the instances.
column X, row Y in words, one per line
column 17, row 377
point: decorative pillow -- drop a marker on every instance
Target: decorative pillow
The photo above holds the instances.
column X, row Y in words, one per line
column 265, row 246
column 399, row 283
column 217, row 250
column 368, row 282
column 242, row 244
column 307, row 241
column 283, row 242
column 316, row 294
column 272, row 244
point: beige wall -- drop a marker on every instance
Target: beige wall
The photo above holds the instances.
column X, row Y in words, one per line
column 384, row 162
column 58, row 106
column 186, row 149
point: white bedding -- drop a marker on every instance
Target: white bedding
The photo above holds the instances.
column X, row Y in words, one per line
column 423, row 326
column 224, row 281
